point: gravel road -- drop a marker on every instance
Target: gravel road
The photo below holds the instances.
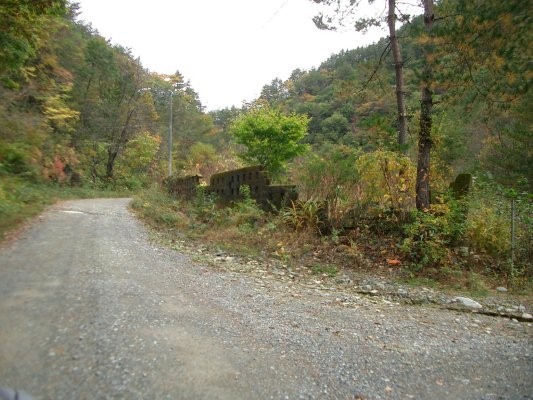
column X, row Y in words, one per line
column 91, row 309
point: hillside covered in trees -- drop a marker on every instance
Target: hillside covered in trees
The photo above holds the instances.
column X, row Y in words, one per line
column 76, row 110
column 482, row 74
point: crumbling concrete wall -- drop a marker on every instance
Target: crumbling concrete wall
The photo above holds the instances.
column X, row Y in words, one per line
column 183, row 187
column 227, row 187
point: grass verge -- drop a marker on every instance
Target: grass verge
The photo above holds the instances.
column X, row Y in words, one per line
column 21, row 199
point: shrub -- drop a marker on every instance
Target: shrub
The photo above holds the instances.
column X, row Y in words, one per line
column 12, row 159
column 430, row 235
column 244, row 214
column 488, row 231
column 205, row 206
column 376, row 187
column 387, row 181
column 425, row 243
column 330, row 177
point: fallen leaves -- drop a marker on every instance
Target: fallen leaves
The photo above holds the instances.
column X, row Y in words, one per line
column 393, row 261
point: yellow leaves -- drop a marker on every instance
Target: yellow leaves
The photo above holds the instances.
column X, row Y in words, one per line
column 424, row 39
column 439, row 209
column 57, row 113
column 280, row 252
column 61, row 114
column 497, row 62
column 306, row 97
column 510, row 78
column 506, row 21
column 387, row 178
column 431, row 58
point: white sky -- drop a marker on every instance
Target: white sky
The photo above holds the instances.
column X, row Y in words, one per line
column 228, row 49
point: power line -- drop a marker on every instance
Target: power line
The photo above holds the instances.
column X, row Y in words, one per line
column 275, row 13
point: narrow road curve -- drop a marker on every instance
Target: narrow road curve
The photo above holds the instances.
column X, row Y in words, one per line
column 91, row 309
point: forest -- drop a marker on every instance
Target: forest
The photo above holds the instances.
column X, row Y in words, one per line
column 372, row 161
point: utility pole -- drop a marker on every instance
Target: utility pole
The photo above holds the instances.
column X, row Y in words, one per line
column 170, row 138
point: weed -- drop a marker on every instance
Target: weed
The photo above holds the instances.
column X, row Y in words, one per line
column 420, row 281
column 488, row 229
column 324, row 269
column 307, row 215
column 476, row 284
column 204, row 207
column 429, row 245
column 245, row 214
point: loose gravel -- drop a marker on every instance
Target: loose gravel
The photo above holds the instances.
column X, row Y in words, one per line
column 90, row 308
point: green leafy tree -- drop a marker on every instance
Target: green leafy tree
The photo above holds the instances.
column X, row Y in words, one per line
column 270, row 137
column 113, row 106
column 335, row 127
column 275, row 92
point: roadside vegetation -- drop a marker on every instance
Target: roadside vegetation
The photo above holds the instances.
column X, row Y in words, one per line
column 21, row 200
column 452, row 244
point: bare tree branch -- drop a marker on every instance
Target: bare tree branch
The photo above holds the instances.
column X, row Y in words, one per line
column 377, row 67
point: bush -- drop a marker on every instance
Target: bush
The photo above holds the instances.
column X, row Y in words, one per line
column 425, row 244
column 329, row 177
column 375, row 188
column 13, row 159
column 431, row 235
column 205, row 208
column 488, row 231
column 387, row 181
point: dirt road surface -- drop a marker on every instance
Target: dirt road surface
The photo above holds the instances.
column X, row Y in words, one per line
column 91, row 309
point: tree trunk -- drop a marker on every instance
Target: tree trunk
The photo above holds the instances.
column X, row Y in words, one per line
column 424, row 150
column 400, row 87
column 110, row 166
column 117, row 145
column 426, row 108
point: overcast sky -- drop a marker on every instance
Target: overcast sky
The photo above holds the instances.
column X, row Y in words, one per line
column 228, row 49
